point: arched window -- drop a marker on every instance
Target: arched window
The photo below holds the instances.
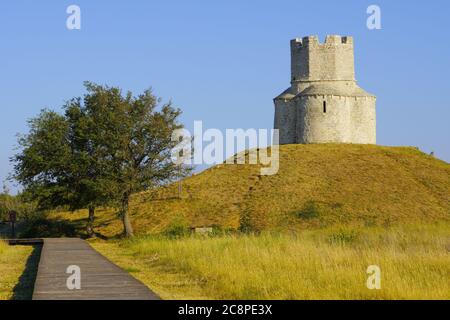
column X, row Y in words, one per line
column 324, row 107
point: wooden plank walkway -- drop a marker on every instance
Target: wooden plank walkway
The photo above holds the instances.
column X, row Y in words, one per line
column 100, row 278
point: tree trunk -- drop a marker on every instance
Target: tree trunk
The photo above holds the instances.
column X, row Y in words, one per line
column 127, row 227
column 90, row 223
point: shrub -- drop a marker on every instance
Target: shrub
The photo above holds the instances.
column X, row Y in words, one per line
column 309, row 211
column 45, row 228
column 178, row 228
column 26, row 211
column 7, row 203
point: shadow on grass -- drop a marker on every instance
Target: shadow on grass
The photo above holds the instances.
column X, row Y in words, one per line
column 60, row 228
column 50, row 228
column 24, row 288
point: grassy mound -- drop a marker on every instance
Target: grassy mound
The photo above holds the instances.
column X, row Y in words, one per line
column 316, row 186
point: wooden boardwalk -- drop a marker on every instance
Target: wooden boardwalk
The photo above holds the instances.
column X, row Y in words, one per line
column 100, row 278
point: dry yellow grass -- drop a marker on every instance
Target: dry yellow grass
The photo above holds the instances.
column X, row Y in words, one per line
column 329, row 213
column 13, row 261
column 321, row 264
column 316, row 186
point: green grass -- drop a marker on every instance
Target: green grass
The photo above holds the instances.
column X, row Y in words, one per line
column 317, row 186
column 18, row 265
column 330, row 263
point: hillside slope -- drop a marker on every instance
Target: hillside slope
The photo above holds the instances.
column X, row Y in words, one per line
column 316, row 186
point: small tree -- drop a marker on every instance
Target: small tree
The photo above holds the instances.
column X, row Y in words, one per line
column 88, row 184
column 102, row 150
column 134, row 135
column 6, row 205
column 57, row 162
column 41, row 165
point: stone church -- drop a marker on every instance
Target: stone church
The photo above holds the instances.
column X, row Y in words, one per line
column 324, row 103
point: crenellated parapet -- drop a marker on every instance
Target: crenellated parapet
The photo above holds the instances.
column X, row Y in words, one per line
column 331, row 60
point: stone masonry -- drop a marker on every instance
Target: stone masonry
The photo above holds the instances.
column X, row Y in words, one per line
column 324, row 104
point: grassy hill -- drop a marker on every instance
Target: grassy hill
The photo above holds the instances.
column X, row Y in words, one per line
column 316, row 186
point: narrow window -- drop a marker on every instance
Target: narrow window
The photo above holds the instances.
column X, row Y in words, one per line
column 324, row 107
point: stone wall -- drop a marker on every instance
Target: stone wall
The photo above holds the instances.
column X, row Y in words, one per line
column 317, row 126
column 315, row 61
column 285, row 121
column 364, row 121
column 345, row 120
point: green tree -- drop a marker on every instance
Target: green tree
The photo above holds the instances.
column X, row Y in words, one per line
column 88, row 186
column 26, row 211
column 57, row 162
column 41, row 164
column 105, row 147
column 6, row 205
column 134, row 136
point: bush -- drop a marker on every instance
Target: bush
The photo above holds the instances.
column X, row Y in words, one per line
column 46, row 228
column 26, row 211
column 309, row 211
column 177, row 229
column 7, row 203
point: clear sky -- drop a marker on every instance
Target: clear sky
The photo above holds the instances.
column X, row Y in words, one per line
column 224, row 61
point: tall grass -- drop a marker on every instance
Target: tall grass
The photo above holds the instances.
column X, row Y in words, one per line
column 323, row 264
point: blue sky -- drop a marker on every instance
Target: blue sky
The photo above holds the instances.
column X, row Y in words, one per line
column 224, row 61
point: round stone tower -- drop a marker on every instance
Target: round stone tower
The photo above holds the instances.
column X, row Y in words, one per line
column 324, row 104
